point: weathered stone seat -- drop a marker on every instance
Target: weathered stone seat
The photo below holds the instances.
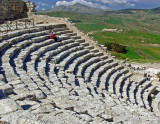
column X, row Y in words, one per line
column 104, row 57
column 85, row 44
column 2, row 78
column 18, row 33
column 79, row 52
column 120, row 82
column 75, row 37
column 95, row 50
column 35, row 55
column 92, row 68
column 80, row 40
column 66, row 32
column 132, row 93
column 64, row 53
column 133, row 88
column 117, row 76
column 99, row 54
column 139, row 94
column 125, row 90
column 84, row 57
column 156, row 105
column 89, row 47
column 84, row 65
column 146, row 95
column 47, row 55
column 9, row 54
column 72, row 34
column 100, row 74
column 111, row 73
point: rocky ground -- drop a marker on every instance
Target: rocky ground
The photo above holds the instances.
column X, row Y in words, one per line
column 147, row 65
column 65, row 107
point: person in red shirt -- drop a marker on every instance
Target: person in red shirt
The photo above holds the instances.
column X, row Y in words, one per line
column 53, row 36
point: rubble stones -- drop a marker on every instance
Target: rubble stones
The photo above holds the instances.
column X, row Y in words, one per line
column 8, row 89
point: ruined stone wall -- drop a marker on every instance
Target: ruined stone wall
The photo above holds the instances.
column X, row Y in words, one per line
column 12, row 9
column 31, row 8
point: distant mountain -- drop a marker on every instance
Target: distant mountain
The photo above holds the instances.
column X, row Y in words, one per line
column 135, row 11
column 95, row 11
column 80, row 9
column 156, row 10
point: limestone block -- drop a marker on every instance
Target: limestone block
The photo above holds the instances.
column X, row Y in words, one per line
column 24, row 95
column 28, row 104
column 81, row 110
column 39, row 94
column 61, row 119
column 8, row 89
column 44, row 108
column 20, row 86
column 8, row 105
column 86, row 117
column 2, row 83
column 21, row 117
column 16, row 82
column 1, row 77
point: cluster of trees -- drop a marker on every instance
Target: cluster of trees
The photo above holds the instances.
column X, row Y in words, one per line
column 116, row 47
column 76, row 20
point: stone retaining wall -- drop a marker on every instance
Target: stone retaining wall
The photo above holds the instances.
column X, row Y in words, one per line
column 15, row 9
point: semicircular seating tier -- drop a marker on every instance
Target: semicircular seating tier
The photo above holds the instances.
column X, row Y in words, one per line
column 35, row 70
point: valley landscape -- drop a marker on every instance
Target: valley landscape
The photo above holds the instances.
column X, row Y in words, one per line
column 137, row 29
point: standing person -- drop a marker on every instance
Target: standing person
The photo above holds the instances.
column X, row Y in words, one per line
column 53, row 36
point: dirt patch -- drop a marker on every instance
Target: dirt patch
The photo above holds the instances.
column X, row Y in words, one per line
column 151, row 45
column 92, row 32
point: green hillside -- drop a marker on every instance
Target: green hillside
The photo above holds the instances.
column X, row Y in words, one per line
column 140, row 31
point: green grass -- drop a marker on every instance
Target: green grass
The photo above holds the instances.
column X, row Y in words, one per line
column 129, row 38
column 111, row 20
column 115, row 21
column 131, row 20
column 131, row 54
column 117, row 55
column 153, row 52
column 133, row 41
column 90, row 27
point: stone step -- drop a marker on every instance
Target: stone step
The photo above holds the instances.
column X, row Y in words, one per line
column 80, row 40
column 120, row 82
column 140, row 91
column 79, row 60
column 102, row 72
column 85, row 44
column 89, row 47
column 156, row 104
column 75, row 37
column 119, row 75
column 92, row 69
column 95, row 51
column 146, row 95
column 82, row 67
